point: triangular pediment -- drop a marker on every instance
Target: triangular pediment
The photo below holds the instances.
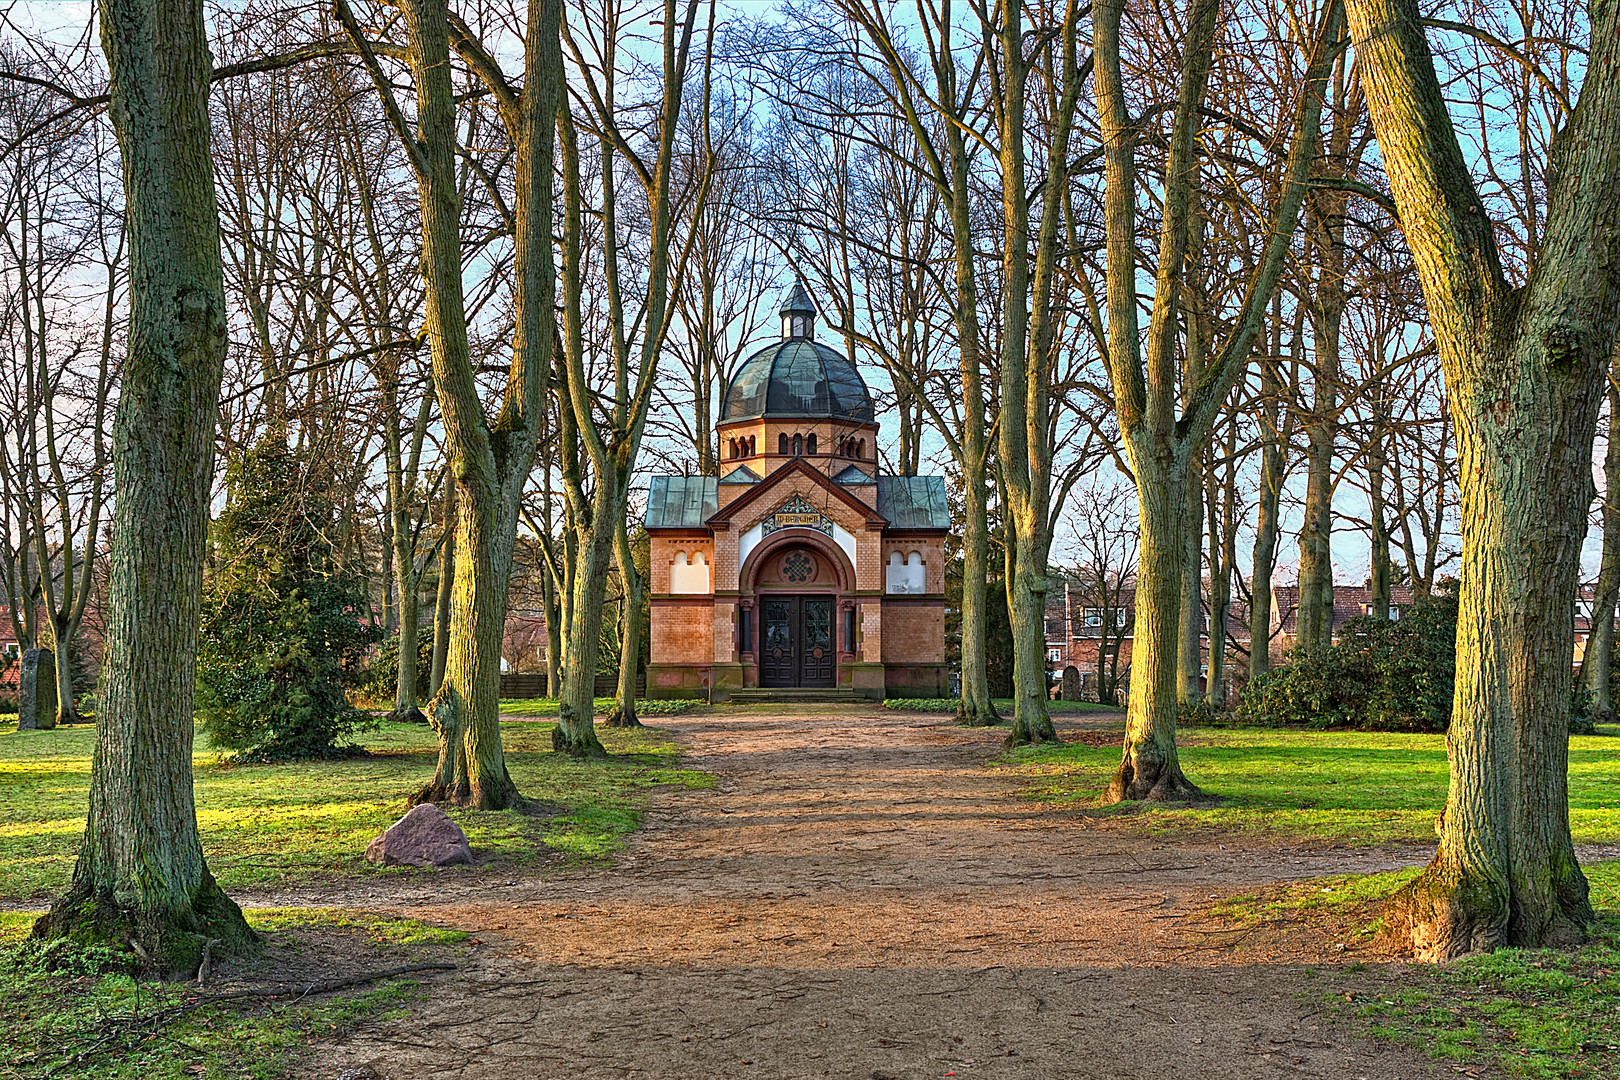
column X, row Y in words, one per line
column 761, row 493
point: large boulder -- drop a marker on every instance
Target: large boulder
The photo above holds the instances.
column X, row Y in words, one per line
column 423, row 837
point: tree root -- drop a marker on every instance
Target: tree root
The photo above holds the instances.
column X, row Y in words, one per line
column 622, row 717
column 170, row 944
column 1445, row 913
column 1026, row 734
column 1166, row 783
column 583, row 746
column 969, row 717
column 413, row 715
column 1442, row 915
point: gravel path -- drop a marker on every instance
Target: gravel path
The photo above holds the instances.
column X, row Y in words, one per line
column 859, row 897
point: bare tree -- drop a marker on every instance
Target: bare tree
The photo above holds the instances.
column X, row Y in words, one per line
column 1525, row 372
column 1160, row 444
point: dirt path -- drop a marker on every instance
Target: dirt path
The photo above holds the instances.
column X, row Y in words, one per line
column 859, row 898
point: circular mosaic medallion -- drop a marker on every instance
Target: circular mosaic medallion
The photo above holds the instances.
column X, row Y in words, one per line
column 798, row 567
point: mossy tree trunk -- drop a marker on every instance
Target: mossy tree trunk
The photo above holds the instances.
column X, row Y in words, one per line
column 1525, row 371
column 1598, row 660
column 1272, row 466
column 610, row 428
column 1160, row 445
column 489, row 459
column 1029, row 337
column 141, row 877
column 624, row 706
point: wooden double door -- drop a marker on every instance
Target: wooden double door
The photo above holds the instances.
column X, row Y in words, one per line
column 796, row 641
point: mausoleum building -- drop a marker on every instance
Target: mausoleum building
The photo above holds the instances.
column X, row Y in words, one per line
column 798, row 566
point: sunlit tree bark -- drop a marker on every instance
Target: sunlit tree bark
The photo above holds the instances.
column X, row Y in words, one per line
column 141, row 878
column 1525, row 371
column 1160, row 445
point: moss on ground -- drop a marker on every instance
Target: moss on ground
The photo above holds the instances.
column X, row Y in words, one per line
column 67, row 1010
column 1357, row 787
column 1543, row 1013
column 296, row 822
column 1551, row 1014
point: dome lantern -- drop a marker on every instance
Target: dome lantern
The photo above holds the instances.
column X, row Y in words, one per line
column 797, row 377
column 798, row 313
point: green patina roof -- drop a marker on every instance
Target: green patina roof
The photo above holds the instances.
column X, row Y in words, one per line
column 913, row 502
column 681, row 502
column 905, row 502
column 798, row 301
column 798, row 377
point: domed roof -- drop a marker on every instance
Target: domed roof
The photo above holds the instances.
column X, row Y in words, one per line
column 798, row 377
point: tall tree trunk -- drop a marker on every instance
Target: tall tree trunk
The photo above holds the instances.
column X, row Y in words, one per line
column 1160, row 445
column 1315, row 616
column 1190, row 615
column 591, row 522
column 1326, row 231
column 446, row 587
column 489, row 460
column 1525, row 372
column 402, row 563
column 1028, row 343
column 1379, row 568
column 1223, row 554
column 62, row 646
column 554, row 644
column 141, row 877
column 1272, row 464
column 1598, row 660
column 624, row 707
column 1151, row 768
column 975, row 707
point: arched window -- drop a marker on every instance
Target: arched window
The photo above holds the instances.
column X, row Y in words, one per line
column 810, row 444
column 905, row 573
column 798, row 446
column 782, row 444
column 750, row 446
column 734, row 449
column 860, row 448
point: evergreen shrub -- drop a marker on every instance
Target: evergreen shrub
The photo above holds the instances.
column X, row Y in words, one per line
column 1381, row 675
column 284, row 621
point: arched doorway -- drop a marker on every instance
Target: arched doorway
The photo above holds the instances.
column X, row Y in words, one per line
column 794, row 635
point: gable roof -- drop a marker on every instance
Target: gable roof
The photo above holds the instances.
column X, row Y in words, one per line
column 913, row 502
column 854, row 474
column 681, row 502
column 742, row 474
column 800, row 466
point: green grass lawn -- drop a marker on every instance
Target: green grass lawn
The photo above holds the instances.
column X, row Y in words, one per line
column 266, row 824
column 538, row 706
column 1355, row 787
column 1004, row 706
column 1543, row 1013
